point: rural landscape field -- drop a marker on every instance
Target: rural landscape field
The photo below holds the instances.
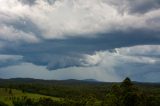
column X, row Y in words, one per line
column 32, row 92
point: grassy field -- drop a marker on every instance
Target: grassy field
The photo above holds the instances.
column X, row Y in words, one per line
column 33, row 92
column 6, row 94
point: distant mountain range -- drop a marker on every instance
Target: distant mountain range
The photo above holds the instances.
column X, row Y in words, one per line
column 40, row 81
column 32, row 79
column 67, row 81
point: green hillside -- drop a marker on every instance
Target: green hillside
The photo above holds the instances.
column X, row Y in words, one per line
column 33, row 92
column 7, row 95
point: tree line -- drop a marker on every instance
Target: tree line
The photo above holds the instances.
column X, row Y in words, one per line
column 118, row 94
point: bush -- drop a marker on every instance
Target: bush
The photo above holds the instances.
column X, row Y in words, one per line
column 3, row 104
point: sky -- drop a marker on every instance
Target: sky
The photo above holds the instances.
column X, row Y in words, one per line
column 106, row 40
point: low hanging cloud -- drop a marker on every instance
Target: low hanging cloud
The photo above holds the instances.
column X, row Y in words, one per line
column 9, row 60
column 145, row 55
column 138, row 62
column 142, row 55
column 110, row 65
column 75, row 33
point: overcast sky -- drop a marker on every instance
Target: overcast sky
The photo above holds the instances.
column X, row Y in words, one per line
column 106, row 40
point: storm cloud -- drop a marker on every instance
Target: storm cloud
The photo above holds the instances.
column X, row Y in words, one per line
column 61, row 34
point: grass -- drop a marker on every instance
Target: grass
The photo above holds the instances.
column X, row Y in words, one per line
column 5, row 95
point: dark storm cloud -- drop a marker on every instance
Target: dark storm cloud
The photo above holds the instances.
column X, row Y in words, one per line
column 33, row 2
column 64, row 53
column 9, row 60
column 28, row 2
column 65, row 30
column 6, row 63
column 143, row 6
column 88, row 45
column 25, row 25
column 135, row 6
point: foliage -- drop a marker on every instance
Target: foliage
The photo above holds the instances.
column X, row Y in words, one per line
column 127, row 94
column 79, row 93
column 3, row 104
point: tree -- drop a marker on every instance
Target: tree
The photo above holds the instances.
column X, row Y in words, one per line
column 126, row 83
column 125, row 94
column 3, row 104
column 46, row 102
column 131, row 94
column 10, row 91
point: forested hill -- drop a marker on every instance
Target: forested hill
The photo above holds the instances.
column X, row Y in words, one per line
column 68, row 82
column 73, row 92
column 40, row 81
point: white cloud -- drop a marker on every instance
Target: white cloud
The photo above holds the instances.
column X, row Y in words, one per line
column 146, row 54
column 128, row 61
column 141, row 50
column 65, row 18
column 12, row 34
